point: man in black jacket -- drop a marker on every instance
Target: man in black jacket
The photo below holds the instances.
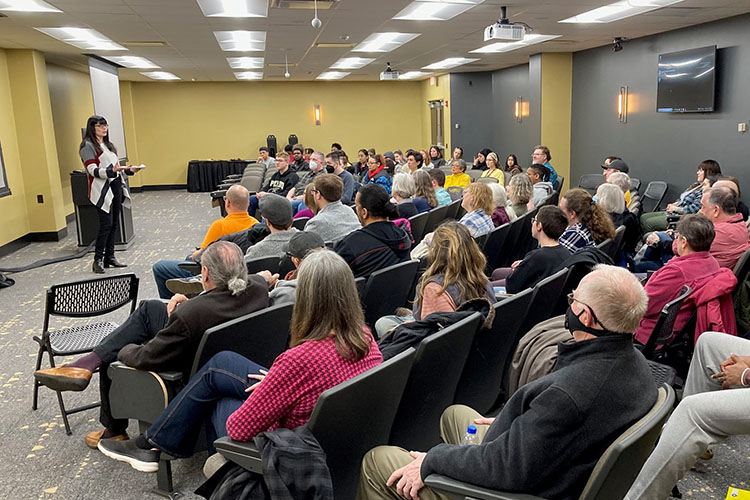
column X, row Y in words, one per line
column 165, row 337
column 380, row 243
column 280, row 182
column 549, row 436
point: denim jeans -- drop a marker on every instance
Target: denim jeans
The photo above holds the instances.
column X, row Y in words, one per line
column 253, row 205
column 168, row 269
column 214, row 392
column 298, row 205
column 655, row 257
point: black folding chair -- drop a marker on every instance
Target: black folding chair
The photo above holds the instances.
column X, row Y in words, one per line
column 494, row 245
column 437, row 216
column 546, row 293
column 387, row 290
column 653, row 196
column 300, row 223
column 270, row 264
column 418, row 225
column 590, row 182
column 664, row 327
column 81, row 299
column 635, row 184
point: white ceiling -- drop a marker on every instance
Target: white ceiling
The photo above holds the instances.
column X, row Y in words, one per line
column 192, row 52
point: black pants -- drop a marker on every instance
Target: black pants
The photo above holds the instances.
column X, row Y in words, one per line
column 109, row 222
column 139, row 328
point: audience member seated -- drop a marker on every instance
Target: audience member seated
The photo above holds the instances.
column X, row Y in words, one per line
column 334, row 166
column 734, row 184
column 695, row 267
column 611, row 199
column 309, row 202
column 622, row 180
column 480, row 160
column 299, row 164
column 548, row 225
column 455, row 274
column 520, row 190
column 297, row 194
column 493, row 168
column 377, row 174
column 548, row 437
column 688, row 203
column 543, row 156
column 402, row 193
column 380, row 243
column 588, row 223
column 329, row 345
column 424, row 194
column 458, row 176
column 163, row 337
column 437, row 177
column 539, row 176
column 614, row 164
column 427, row 160
column 264, row 157
column 436, row 156
column 512, row 167
column 280, row 182
column 502, row 213
column 479, row 204
column 458, row 153
column 333, row 220
column 414, row 162
column 277, row 215
column 359, row 167
column 706, row 415
column 283, row 290
column 237, row 219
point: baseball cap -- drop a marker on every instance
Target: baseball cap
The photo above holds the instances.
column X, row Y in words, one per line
column 302, row 243
column 276, row 209
column 618, row 165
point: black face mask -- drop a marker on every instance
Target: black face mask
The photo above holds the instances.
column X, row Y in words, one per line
column 573, row 323
column 330, row 169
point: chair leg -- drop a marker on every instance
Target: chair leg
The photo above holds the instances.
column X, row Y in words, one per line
column 164, row 486
column 35, row 398
column 64, row 413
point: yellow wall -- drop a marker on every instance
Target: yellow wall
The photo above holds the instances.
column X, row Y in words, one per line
column 72, row 104
column 557, row 91
column 173, row 123
column 442, row 90
column 14, row 221
column 131, row 138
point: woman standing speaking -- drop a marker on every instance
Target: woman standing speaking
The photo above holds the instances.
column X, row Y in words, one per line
column 107, row 188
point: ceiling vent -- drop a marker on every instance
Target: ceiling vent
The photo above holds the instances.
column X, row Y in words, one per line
column 302, row 4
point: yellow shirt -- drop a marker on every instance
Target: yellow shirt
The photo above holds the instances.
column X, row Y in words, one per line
column 627, row 198
column 238, row 221
column 497, row 174
column 460, row 180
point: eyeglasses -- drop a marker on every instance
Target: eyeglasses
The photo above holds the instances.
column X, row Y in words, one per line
column 102, row 125
column 533, row 220
column 572, row 299
column 313, row 191
column 537, row 154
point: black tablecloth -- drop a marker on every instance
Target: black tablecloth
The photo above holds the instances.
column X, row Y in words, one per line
column 205, row 176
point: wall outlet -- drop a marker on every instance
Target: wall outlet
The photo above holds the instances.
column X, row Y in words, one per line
column 741, row 127
column 40, row 198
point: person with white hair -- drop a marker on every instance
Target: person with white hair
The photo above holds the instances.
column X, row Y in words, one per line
column 502, row 213
column 622, row 181
column 611, row 198
column 402, row 193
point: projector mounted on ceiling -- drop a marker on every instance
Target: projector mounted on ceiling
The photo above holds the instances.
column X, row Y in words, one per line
column 504, row 30
column 389, row 74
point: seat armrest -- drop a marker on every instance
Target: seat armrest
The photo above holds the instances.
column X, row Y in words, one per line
column 459, row 490
column 244, row 454
column 191, row 267
column 138, row 394
column 221, row 193
column 170, row 376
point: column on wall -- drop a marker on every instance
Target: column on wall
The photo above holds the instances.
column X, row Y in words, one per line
column 556, row 84
column 128, row 121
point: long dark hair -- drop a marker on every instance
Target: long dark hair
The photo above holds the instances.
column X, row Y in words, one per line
column 90, row 134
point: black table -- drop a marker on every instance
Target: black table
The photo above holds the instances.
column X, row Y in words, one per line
column 205, row 176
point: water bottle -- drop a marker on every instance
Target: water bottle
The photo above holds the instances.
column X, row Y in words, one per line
column 471, row 436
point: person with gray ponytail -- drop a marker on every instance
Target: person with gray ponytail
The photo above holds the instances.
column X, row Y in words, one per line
column 225, row 266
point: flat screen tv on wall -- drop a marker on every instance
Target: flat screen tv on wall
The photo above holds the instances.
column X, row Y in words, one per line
column 686, row 81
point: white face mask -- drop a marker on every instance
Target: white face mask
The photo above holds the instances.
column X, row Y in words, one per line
column 313, row 165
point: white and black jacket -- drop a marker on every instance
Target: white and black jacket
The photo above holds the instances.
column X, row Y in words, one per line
column 100, row 177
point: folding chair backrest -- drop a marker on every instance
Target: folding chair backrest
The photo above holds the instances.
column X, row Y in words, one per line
column 92, row 297
column 664, row 327
column 546, row 292
column 456, row 193
column 590, row 182
column 575, row 274
column 300, row 223
column 742, row 267
column 355, row 416
column 653, row 196
column 560, row 183
column 418, row 225
column 495, row 243
column 607, row 246
column 437, row 215
column 388, row 289
column 635, row 208
column 619, row 241
column 270, row 264
column 526, row 241
column 487, row 180
column 621, row 462
column 635, row 184
column 259, row 336
column 252, row 183
column 474, row 174
column 431, row 387
column 481, row 240
column 482, row 379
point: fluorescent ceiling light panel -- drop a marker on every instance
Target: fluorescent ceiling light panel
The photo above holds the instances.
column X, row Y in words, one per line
column 83, row 38
column 619, row 10
column 241, row 41
column 248, row 75
column 234, row 8
column 160, row 75
column 449, row 63
column 499, row 47
column 332, row 75
column 352, row 62
column 411, row 75
column 245, row 62
column 27, row 6
column 435, row 10
column 384, row 42
column 132, row 62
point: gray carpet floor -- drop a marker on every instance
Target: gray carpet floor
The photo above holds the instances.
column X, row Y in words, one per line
column 41, row 462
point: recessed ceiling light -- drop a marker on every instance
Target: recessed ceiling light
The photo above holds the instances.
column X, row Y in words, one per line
column 83, row 38
column 384, row 42
column 619, row 10
column 248, row 75
column 234, row 8
column 332, row 75
column 160, row 75
column 500, row 47
column 27, row 6
column 132, row 62
column 241, row 41
column 352, row 62
column 450, row 62
column 411, row 75
column 245, row 62
column 435, row 10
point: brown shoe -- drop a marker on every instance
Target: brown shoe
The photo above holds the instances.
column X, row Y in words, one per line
column 93, row 438
column 64, row 378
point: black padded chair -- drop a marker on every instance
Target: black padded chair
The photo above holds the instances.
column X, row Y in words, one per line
column 481, row 240
column 387, row 290
column 560, row 184
column 590, row 182
column 635, row 184
column 300, row 223
column 483, row 378
column 664, row 327
column 270, row 264
column 437, row 216
column 613, row 473
column 431, row 387
column 348, row 421
column 507, row 254
column 418, row 225
column 81, row 299
column 143, row 395
column 546, row 293
column 575, row 274
column 653, row 196
column 741, row 272
column 526, row 241
column 494, row 245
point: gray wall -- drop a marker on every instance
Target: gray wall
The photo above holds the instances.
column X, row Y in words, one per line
column 472, row 110
column 662, row 146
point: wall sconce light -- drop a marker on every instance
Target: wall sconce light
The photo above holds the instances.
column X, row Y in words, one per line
column 317, row 114
column 518, row 112
column 622, row 105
